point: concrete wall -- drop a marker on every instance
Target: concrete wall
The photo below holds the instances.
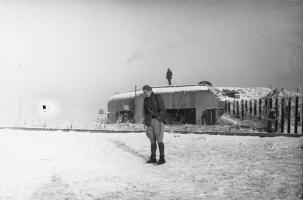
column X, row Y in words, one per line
column 205, row 100
column 200, row 100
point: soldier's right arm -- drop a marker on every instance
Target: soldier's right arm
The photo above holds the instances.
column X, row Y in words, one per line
column 144, row 108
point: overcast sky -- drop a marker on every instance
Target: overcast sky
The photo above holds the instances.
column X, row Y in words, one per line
column 73, row 54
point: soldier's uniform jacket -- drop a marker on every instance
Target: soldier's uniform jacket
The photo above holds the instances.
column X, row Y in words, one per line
column 153, row 108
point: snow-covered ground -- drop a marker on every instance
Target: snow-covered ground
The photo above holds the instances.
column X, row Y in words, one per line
column 38, row 165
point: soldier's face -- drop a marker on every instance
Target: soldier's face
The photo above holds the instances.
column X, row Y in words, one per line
column 147, row 93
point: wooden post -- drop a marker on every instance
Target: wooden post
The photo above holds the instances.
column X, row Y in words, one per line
column 296, row 114
column 288, row 115
column 260, row 108
column 250, row 108
column 255, row 108
column 234, row 108
column 269, row 116
column 277, row 114
column 238, row 115
column 225, row 106
column 228, row 107
column 266, row 107
column 302, row 115
column 270, row 103
column 242, row 109
column 246, row 109
column 282, row 114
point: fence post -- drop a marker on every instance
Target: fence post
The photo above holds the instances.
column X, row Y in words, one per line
column 250, row 108
column 260, row 108
column 238, row 115
column 296, row 114
column 228, row 107
column 225, row 106
column 242, row 109
column 270, row 103
column 246, row 109
column 288, row 115
column 234, row 110
column 266, row 107
column 277, row 114
column 255, row 108
column 270, row 116
column 282, row 114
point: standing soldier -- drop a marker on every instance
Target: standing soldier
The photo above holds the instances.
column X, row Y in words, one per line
column 169, row 76
column 154, row 112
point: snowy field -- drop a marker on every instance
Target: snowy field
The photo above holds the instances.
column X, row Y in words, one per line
column 85, row 166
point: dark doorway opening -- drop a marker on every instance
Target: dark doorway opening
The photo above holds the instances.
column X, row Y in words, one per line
column 183, row 116
column 125, row 116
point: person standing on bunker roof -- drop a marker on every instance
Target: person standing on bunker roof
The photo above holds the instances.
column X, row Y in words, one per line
column 154, row 118
column 169, row 76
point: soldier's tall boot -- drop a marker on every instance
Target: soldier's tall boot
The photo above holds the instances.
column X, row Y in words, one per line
column 162, row 157
column 153, row 149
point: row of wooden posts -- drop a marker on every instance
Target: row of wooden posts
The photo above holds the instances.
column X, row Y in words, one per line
column 274, row 110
